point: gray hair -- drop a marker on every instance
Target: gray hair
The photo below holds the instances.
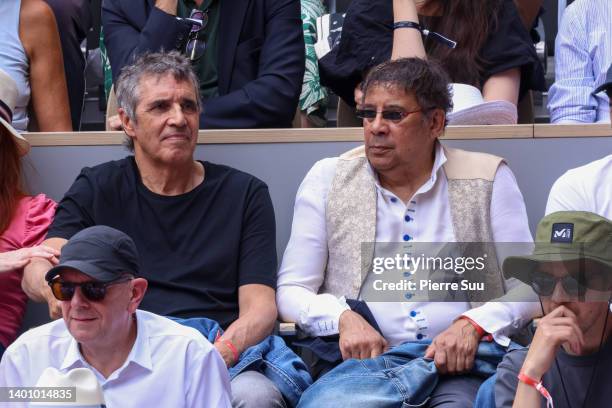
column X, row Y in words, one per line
column 155, row 64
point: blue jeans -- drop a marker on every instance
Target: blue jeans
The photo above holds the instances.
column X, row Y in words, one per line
column 2, row 349
column 271, row 357
column 399, row 378
column 486, row 394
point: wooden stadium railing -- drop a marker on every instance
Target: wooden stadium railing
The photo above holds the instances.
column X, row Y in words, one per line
column 327, row 135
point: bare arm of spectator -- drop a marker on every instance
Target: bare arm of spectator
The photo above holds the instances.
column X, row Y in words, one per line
column 19, row 258
column 40, row 38
column 528, row 9
column 167, row 6
column 256, row 321
column 555, row 329
column 34, row 283
column 407, row 42
column 503, row 86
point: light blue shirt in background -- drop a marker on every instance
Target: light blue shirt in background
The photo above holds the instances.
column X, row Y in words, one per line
column 583, row 54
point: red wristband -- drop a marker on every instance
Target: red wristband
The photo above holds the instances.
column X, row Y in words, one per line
column 481, row 332
column 524, row 378
column 232, row 348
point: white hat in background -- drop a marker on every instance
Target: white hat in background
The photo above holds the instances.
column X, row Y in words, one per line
column 469, row 108
column 8, row 99
column 88, row 391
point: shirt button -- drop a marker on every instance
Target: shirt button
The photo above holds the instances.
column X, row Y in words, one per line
column 412, row 314
column 393, row 200
column 408, row 296
column 407, row 218
column 407, row 237
column 419, row 336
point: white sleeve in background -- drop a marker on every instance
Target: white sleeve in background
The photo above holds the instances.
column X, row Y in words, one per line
column 303, row 266
column 209, row 383
column 569, row 98
column 509, row 224
column 567, row 194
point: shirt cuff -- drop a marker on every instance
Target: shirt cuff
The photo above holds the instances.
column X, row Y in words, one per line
column 323, row 315
column 499, row 318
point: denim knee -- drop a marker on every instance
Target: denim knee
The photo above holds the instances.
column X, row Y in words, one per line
column 251, row 389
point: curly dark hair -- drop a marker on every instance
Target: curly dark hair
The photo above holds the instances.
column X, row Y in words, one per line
column 426, row 79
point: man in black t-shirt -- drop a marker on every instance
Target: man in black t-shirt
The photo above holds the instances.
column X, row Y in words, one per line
column 569, row 361
column 205, row 232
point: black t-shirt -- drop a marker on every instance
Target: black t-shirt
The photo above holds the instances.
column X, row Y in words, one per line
column 576, row 372
column 367, row 40
column 196, row 248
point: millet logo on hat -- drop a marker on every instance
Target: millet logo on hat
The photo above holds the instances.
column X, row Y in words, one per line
column 563, row 233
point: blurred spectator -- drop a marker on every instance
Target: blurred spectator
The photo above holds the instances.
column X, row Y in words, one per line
column 313, row 99
column 30, row 53
column 249, row 56
column 73, row 20
column 588, row 187
column 494, row 51
column 583, row 53
column 23, row 219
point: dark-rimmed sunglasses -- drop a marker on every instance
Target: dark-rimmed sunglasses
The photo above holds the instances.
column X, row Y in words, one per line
column 195, row 48
column 394, row 116
column 94, row 291
column 544, row 284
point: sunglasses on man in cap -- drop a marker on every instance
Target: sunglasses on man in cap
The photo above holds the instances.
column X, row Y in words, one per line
column 92, row 290
column 575, row 283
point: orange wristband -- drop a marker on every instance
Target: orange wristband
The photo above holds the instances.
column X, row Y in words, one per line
column 524, row 378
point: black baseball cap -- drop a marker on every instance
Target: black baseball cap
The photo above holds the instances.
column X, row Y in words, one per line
column 100, row 252
column 606, row 86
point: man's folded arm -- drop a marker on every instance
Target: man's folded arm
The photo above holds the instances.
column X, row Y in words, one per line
column 124, row 40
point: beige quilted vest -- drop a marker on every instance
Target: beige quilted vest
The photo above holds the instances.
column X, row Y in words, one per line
column 470, row 184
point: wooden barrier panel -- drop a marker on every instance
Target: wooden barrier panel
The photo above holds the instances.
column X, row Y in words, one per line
column 234, row 136
column 241, row 136
column 590, row 130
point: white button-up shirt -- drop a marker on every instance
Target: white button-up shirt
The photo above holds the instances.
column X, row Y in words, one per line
column 425, row 217
column 583, row 54
column 170, row 365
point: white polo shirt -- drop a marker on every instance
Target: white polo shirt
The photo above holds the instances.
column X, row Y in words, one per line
column 170, row 365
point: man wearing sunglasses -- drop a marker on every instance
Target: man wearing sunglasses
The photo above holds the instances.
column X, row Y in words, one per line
column 402, row 186
column 589, row 187
column 248, row 55
column 569, row 362
column 133, row 353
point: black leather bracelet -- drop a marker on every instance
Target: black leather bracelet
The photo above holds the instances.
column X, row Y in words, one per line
column 407, row 24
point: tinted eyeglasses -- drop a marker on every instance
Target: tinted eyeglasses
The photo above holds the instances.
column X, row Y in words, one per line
column 394, row 116
column 195, row 48
column 94, row 291
column 544, row 284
